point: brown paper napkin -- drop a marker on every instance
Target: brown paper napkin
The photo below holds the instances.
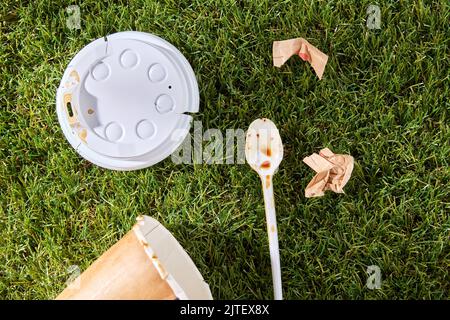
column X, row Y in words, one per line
column 283, row 50
column 333, row 172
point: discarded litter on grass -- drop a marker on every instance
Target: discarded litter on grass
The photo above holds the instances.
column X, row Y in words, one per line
column 125, row 100
column 333, row 172
column 264, row 152
column 148, row 263
column 283, row 50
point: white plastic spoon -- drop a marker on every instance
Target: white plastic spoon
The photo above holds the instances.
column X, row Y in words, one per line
column 264, row 152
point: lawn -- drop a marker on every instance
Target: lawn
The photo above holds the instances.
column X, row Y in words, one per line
column 384, row 99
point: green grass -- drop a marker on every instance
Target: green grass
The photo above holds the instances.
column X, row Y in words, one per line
column 384, row 99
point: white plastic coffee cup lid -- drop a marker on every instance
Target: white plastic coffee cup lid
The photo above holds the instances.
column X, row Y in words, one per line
column 124, row 100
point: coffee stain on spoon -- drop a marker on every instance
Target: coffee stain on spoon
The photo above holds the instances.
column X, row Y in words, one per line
column 265, row 165
column 268, row 179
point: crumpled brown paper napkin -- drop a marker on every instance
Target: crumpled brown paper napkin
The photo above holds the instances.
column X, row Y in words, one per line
column 283, row 50
column 333, row 172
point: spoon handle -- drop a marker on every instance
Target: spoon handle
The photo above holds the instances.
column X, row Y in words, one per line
column 272, row 231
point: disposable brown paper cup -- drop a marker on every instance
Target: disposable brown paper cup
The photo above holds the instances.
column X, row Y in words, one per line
column 147, row 263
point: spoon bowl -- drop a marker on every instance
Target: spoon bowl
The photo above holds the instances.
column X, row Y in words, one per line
column 263, row 147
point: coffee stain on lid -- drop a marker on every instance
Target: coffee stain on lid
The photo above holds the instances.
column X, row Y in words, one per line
column 83, row 135
column 67, row 98
column 67, row 103
column 74, row 74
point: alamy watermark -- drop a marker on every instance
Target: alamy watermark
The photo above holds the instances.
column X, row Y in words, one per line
column 73, row 22
column 74, row 280
column 374, row 279
column 373, row 17
column 210, row 146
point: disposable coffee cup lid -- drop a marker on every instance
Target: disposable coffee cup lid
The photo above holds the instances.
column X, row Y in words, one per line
column 124, row 100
